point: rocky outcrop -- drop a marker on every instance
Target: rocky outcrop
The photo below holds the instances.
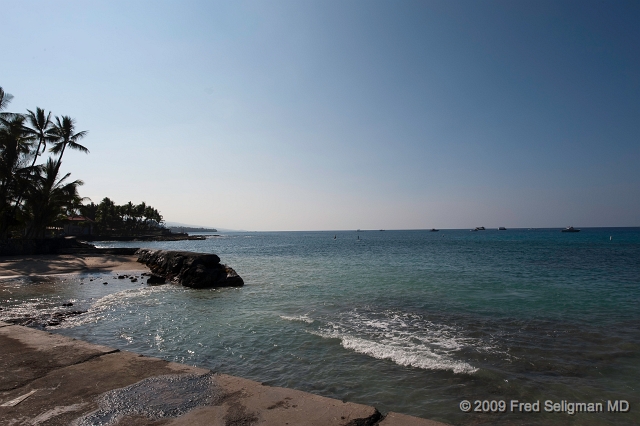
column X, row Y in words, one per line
column 195, row 270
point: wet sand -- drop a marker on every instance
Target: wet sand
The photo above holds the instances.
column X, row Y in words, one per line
column 12, row 266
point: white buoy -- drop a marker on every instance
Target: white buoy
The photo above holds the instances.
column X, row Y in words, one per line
column 610, row 237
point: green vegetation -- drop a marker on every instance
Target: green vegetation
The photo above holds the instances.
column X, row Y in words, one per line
column 128, row 219
column 35, row 200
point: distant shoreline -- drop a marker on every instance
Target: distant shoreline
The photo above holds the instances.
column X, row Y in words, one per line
column 185, row 229
column 168, row 237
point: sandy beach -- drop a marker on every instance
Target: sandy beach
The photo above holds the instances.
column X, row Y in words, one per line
column 11, row 266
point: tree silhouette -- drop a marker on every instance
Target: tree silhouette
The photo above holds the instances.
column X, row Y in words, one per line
column 64, row 136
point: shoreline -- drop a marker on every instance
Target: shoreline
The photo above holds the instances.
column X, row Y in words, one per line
column 56, row 264
column 168, row 237
column 82, row 383
column 32, row 360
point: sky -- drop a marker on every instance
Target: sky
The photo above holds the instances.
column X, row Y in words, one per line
column 328, row 115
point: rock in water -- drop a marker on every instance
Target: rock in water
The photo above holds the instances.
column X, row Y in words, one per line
column 195, row 270
column 155, row 279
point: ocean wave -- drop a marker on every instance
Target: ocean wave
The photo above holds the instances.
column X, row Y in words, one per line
column 299, row 318
column 418, row 356
column 99, row 310
column 31, row 308
column 404, row 338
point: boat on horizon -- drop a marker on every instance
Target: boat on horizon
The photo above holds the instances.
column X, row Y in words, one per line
column 433, row 230
column 570, row 229
column 478, row 228
column 502, row 228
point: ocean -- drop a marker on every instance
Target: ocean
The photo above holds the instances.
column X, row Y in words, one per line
column 408, row 321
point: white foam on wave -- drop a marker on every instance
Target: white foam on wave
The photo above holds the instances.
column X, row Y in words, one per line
column 419, row 356
column 406, row 339
column 34, row 307
column 299, row 318
column 99, row 309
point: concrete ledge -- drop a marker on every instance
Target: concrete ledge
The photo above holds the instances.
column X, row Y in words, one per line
column 28, row 354
column 55, row 380
column 397, row 419
column 249, row 402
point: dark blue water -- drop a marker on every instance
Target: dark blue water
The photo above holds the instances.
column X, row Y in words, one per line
column 409, row 321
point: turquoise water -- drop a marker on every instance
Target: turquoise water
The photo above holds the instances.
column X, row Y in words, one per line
column 408, row 321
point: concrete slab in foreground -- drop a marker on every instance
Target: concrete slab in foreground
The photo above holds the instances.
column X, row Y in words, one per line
column 48, row 379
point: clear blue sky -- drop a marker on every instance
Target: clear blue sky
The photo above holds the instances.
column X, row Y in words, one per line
column 304, row 115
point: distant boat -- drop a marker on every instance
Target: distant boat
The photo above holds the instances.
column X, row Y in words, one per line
column 434, row 230
column 502, row 228
column 478, row 228
column 570, row 229
column 381, row 230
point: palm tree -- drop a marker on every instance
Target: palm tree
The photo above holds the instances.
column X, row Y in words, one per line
column 40, row 126
column 127, row 212
column 49, row 198
column 64, row 133
column 40, row 129
column 15, row 147
column 5, row 99
column 89, row 211
column 107, row 216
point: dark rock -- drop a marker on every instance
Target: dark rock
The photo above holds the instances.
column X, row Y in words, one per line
column 67, row 304
column 133, row 280
column 156, row 279
column 121, row 277
column 44, row 320
column 195, row 270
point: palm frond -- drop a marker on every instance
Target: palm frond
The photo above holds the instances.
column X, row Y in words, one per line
column 78, row 147
column 5, row 99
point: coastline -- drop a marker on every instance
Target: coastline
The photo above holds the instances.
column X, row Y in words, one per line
column 76, row 382
column 32, row 360
column 55, row 264
column 168, row 237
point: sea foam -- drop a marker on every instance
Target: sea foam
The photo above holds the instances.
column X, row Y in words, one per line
column 100, row 309
column 299, row 318
column 407, row 340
